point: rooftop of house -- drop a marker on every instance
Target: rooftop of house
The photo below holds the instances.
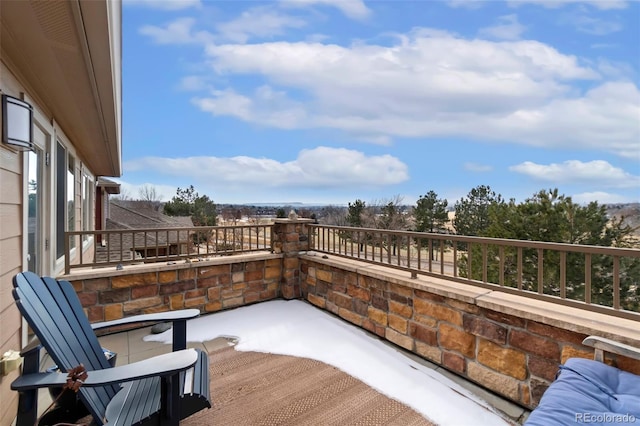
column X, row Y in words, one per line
column 142, row 214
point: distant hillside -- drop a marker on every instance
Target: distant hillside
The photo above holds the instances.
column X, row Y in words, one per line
column 630, row 212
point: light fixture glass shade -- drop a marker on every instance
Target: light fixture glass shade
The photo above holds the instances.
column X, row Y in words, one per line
column 17, row 123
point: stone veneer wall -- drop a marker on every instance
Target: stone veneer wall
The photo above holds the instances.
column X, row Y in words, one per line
column 209, row 286
column 448, row 323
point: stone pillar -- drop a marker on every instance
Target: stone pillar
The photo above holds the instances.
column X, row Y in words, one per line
column 290, row 237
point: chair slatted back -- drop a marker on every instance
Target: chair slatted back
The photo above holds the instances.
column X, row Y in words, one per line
column 54, row 312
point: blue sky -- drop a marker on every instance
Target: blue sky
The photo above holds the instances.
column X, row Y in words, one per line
column 329, row 101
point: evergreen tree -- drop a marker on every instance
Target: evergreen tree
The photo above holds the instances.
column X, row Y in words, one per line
column 201, row 209
column 472, row 212
column 551, row 217
column 355, row 213
column 430, row 213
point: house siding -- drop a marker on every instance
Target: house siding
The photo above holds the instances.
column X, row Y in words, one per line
column 11, row 224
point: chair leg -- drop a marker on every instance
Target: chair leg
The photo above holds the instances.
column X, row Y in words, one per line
column 170, row 400
column 27, row 408
column 28, row 400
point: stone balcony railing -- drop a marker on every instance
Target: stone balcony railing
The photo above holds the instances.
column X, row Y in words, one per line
column 507, row 343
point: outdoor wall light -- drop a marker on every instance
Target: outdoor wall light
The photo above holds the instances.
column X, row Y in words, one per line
column 17, row 123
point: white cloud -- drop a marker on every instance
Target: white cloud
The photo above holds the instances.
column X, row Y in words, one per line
column 354, row 9
column 132, row 190
column 554, row 4
column 169, row 5
column 601, row 198
column 260, row 22
column 597, row 173
column 476, row 167
column 179, row 31
column 467, row 4
column 591, row 25
column 508, row 28
column 193, row 83
column 428, row 84
column 321, row 167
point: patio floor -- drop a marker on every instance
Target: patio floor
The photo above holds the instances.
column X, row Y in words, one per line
column 131, row 347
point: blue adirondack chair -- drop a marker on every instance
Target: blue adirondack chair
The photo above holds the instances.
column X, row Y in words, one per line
column 159, row 391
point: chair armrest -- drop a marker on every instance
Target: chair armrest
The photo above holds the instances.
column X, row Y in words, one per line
column 161, row 365
column 601, row 345
column 33, row 346
column 183, row 314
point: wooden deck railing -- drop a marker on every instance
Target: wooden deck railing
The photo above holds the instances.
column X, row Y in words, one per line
column 129, row 246
column 602, row 279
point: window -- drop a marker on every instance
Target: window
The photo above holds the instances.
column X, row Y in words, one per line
column 65, row 198
column 71, row 198
column 87, row 203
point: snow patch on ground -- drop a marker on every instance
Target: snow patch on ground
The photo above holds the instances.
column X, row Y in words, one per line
column 298, row 329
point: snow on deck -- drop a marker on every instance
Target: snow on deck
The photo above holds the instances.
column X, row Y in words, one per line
column 298, row 329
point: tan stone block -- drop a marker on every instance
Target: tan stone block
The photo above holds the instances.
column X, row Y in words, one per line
column 525, row 394
column 196, row 301
column 96, row 284
column 628, row 364
column 323, row 275
column 95, row 313
column 187, row 274
column 176, row 301
column 165, row 277
column 113, row 312
column 504, row 385
column 377, row 316
column 463, row 306
column 432, row 353
column 310, row 281
column 504, row 360
column 442, row 313
column 350, row 316
column 457, row 340
column 194, row 293
column 213, row 293
column 213, row 270
column 554, row 333
column 358, row 292
column 228, row 294
column 316, row 300
column 397, row 323
column 532, row 343
column 571, row 352
column 453, row 361
column 213, row 306
column 144, row 291
column 342, row 300
column 124, row 281
column 401, row 290
column 237, row 277
column 273, row 272
column 424, row 334
column 399, row 339
column 421, row 294
column 400, row 309
column 235, row 301
column 428, row 321
column 291, row 263
column 155, row 309
column 239, row 286
column 138, row 304
column 254, row 275
column 77, row 286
